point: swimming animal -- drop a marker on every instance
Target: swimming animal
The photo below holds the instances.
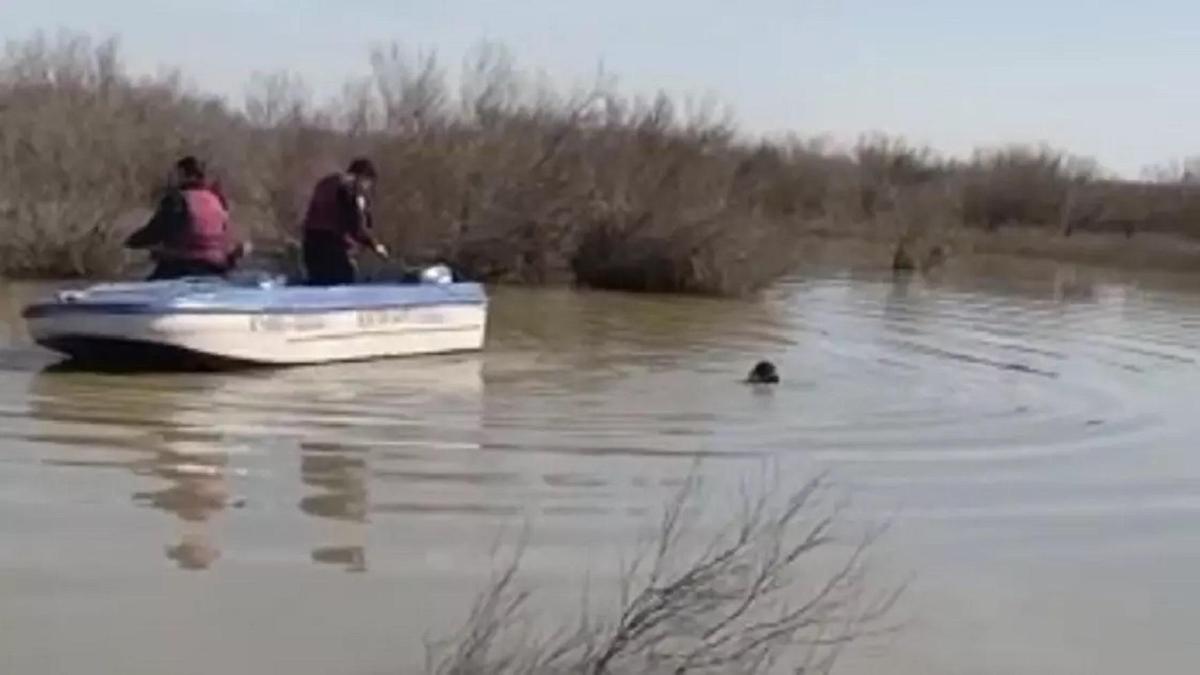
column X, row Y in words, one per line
column 763, row 372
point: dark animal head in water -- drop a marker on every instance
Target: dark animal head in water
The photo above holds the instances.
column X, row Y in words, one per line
column 763, row 373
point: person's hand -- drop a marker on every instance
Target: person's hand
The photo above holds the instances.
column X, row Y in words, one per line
column 381, row 250
column 241, row 250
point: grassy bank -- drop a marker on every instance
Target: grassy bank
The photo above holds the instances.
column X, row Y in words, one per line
column 514, row 180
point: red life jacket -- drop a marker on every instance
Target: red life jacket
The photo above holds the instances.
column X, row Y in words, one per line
column 207, row 236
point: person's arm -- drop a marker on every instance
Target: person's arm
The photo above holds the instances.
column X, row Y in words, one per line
column 357, row 220
column 163, row 226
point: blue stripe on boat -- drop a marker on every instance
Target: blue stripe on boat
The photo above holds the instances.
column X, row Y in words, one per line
column 205, row 296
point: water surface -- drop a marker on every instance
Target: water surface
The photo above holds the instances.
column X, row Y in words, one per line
column 1032, row 436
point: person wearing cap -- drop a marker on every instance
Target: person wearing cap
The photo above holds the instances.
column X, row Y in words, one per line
column 338, row 221
column 189, row 232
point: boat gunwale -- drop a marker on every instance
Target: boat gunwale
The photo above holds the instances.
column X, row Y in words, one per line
column 49, row 309
column 468, row 294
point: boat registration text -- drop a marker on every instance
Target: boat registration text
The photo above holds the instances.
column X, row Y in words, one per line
column 363, row 319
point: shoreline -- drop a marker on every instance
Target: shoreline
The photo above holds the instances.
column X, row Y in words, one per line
column 967, row 251
column 962, row 253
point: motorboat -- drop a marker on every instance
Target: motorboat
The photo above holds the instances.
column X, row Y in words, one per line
column 259, row 321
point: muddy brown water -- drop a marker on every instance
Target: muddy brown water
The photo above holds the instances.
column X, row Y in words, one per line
column 1031, row 436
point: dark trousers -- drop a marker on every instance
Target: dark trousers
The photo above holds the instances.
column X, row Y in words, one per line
column 177, row 269
column 326, row 260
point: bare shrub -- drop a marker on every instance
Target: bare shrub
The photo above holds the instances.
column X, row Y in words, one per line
column 512, row 181
column 411, row 86
column 507, row 176
column 1023, row 185
column 773, row 591
column 1183, row 171
column 886, row 166
column 294, row 146
column 925, row 219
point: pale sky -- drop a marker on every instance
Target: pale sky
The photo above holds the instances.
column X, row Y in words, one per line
column 1112, row 79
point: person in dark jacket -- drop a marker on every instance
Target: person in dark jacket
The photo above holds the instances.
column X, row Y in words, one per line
column 189, row 233
column 338, row 221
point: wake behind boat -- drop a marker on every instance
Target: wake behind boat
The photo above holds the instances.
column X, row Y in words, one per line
column 216, row 322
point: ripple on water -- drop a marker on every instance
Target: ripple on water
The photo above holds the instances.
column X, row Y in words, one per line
column 584, row 405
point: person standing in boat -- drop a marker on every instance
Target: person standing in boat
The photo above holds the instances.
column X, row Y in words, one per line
column 339, row 220
column 189, row 233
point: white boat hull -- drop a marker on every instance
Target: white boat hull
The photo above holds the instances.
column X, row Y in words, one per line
column 280, row 339
column 222, row 323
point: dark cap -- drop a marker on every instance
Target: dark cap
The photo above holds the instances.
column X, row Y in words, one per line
column 363, row 168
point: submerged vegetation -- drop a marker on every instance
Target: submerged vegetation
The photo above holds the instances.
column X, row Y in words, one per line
column 512, row 179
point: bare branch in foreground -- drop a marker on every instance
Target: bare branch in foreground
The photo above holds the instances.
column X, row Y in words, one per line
column 775, row 590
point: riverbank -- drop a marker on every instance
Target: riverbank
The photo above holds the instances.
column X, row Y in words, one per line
column 513, row 182
column 863, row 248
column 966, row 251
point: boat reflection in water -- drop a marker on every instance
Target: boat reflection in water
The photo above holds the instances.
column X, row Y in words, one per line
column 205, row 445
column 338, row 473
